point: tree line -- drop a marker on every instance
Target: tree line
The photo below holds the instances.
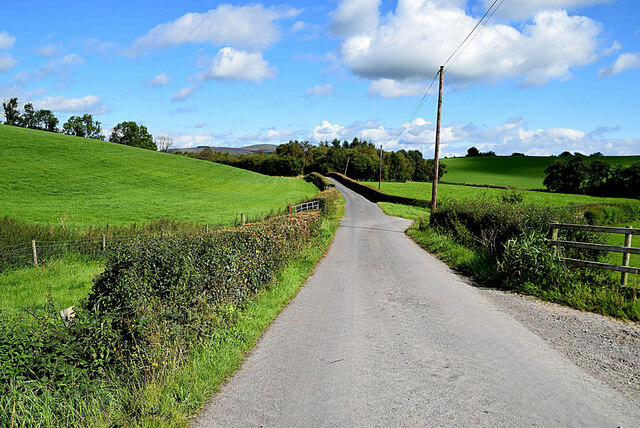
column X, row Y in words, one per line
column 358, row 159
column 128, row 133
column 597, row 178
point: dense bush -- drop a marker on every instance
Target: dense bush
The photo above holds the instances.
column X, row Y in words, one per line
column 490, row 223
column 156, row 299
column 318, row 180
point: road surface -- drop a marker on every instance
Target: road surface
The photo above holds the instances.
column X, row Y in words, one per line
column 383, row 334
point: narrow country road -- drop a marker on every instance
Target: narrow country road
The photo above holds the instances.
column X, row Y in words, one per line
column 383, row 334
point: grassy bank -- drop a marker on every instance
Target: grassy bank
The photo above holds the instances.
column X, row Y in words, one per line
column 51, row 178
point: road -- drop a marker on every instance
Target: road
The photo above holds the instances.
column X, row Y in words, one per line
column 383, row 334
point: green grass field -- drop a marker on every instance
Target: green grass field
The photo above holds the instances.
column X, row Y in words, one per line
column 452, row 191
column 523, row 172
column 51, row 178
column 67, row 281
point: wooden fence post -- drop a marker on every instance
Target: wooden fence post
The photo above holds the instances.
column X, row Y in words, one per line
column 35, row 252
column 104, row 242
column 554, row 235
column 625, row 257
column 243, row 219
column 289, row 208
column 206, row 228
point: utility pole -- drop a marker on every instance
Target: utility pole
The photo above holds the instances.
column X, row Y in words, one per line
column 436, row 157
column 380, row 175
column 346, row 166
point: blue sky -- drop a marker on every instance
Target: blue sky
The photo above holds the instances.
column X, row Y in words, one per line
column 541, row 77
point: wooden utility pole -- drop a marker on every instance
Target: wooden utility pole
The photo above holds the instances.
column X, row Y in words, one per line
column 436, row 157
column 380, row 175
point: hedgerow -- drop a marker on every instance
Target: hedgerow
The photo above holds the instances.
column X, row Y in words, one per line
column 156, row 300
column 375, row 195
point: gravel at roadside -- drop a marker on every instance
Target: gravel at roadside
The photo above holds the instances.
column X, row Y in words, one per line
column 607, row 348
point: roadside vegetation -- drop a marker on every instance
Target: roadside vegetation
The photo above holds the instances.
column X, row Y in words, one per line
column 161, row 309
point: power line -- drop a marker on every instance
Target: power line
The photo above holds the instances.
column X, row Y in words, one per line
column 481, row 23
column 478, row 32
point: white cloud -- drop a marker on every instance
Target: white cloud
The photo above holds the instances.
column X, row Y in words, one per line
column 6, row 41
column 184, row 93
column 230, row 64
column 200, row 125
column 626, row 61
column 298, row 26
column 354, row 17
column 269, row 135
column 512, row 136
column 160, row 80
column 58, row 67
column 412, row 42
column 319, row 90
column 7, row 62
column 388, row 88
column 522, row 9
column 49, row 50
column 250, row 27
column 89, row 104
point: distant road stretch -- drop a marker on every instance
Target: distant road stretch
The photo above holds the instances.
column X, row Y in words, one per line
column 383, row 334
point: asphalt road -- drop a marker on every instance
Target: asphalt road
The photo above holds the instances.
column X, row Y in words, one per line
column 383, row 334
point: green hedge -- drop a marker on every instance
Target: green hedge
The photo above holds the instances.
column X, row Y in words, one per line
column 318, row 180
column 375, row 195
column 155, row 300
column 490, row 223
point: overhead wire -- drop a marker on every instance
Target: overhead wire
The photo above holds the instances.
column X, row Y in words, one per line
column 491, row 10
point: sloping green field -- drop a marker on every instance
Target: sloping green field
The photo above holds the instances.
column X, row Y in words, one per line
column 50, row 178
column 523, row 172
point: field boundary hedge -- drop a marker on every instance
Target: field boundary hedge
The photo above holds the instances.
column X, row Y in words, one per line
column 375, row 195
column 318, row 180
column 488, row 186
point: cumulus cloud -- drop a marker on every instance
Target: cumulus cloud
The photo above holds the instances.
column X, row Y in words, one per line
column 160, row 80
column 388, row 88
column 319, row 90
column 626, row 61
column 522, row 9
column 269, row 135
column 7, row 62
column 248, row 27
column 6, row 40
column 88, row 104
column 184, row 93
column 354, row 17
column 230, row 64
column 411, row 43
column 513, row 135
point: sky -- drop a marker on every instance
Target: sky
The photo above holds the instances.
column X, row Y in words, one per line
column 540, row 77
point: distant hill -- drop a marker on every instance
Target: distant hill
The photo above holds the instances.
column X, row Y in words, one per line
column 53, row 178
column 266, row 148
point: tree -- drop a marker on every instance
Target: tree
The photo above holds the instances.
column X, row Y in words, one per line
column 11, row 112
column 84, row 126
column 472, row 152
column 28, row 119
column 132, row 134
column 164, row 143
column 47, row 121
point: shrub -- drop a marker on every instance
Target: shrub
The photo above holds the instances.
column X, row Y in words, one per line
column 528, row 258
column 490, row 224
